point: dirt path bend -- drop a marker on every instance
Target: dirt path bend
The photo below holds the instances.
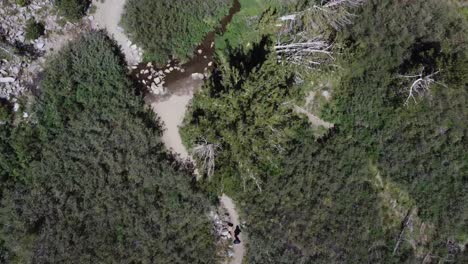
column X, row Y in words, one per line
column 107, row 16
column 239, row 249
column 171, row 109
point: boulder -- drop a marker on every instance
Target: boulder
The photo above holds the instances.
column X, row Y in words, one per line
column 40, row 45
column 7, row 79
column 197, row 76
column 16, row 107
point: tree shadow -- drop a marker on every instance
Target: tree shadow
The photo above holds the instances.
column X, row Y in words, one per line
column 242, row 61
column 422, row 53
column 246, row 62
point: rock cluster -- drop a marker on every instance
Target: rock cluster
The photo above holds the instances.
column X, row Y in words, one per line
column 13, row 19
column 17, row 72
column 10, row 85
column 154, row 79
column 136, row 52
column 222, row 233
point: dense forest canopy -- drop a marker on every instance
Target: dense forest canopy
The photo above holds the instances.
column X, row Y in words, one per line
column 171, row 28
column 389, row 183
column 89, row 180
column 338, row 127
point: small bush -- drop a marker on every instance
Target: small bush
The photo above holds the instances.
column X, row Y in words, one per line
column 23, row 2
column 72, row 9
column 34, row 29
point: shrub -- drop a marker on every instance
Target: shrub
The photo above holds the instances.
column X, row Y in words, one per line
column 171, row 27
column 72, row 9
column 34, row 29
column 23, row 2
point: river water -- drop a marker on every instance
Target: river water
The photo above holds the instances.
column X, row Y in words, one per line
column 180, row 86
column 171, row 107
column 201, row 62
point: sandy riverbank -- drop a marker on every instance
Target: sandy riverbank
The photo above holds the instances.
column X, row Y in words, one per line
column 107, row 16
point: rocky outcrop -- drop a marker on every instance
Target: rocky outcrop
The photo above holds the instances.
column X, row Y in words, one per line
column 18, row 72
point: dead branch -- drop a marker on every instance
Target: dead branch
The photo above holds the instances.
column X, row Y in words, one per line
column 8, row 51
column 334, row 13
column 309, row 54
column 420, row 86
column 206, row 152
column 305, row 47
column 348, row 3
column 404, row 224
column 256, row 181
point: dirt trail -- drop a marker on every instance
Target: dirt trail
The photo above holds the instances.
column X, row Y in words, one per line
column 181, row 87
column 239, row 249
column 107, row 16
column 171, row 109
column 314, row 120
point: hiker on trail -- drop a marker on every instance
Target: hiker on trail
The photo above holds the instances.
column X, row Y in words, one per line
column 237, row 231
column 236, row 235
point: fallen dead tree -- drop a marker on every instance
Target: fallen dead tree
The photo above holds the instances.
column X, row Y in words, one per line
column 308, row 54
column 206, row 152
column 300, row 42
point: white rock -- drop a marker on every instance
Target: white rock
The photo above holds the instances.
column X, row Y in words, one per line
column 16, row 107
column 133, row 47
column 40, row 45
column 167, row 71
column 25, row 115
column 7, row 80
column 200, row 51
column 197, row 76
column 210, row 64
column 157, row 80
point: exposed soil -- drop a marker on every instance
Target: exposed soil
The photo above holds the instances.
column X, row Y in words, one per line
column 180, row 86
column 107, row 16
